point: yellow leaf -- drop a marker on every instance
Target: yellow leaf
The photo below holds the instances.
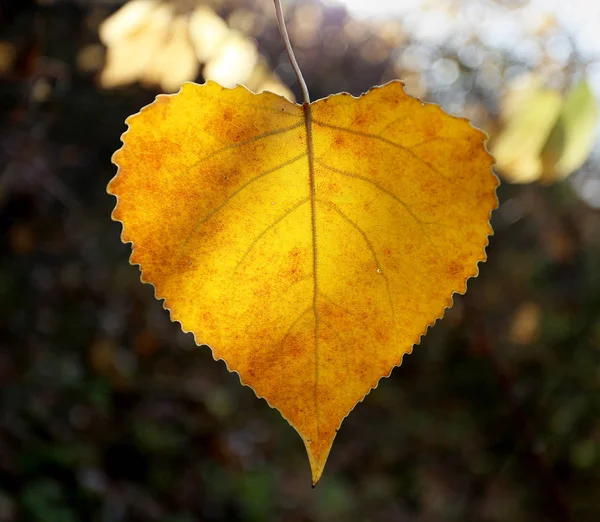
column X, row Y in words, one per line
column 131, row 18
column 234, row 62
column 128, row 58
column 310, row 246
column 175, row 62
column 208, row 32
column 573, row 135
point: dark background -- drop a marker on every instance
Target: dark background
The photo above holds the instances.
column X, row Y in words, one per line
column 109, row 413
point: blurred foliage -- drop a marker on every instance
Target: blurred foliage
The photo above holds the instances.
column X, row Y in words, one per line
column 531, row 115
column 546, row 136
column 573, row 134
column 109, row 413
column 163, row 43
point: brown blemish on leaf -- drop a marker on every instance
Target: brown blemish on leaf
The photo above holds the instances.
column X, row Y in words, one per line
column 454, row 269
column 361, row 120
column 339, row 141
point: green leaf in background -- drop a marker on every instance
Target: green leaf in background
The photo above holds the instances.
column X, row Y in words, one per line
column 43, row 500
column 573, row 135
column 518, row 146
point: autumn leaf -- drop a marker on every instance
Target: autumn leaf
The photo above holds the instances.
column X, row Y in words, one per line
column 309, row 245
column 157, row 43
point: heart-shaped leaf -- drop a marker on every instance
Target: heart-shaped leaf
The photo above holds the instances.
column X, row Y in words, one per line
column 309, row 245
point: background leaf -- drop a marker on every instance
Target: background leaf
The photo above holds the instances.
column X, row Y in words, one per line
column 573, row 135
column 531, row 115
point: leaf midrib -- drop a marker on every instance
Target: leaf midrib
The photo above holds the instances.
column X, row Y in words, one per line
column 313, row 213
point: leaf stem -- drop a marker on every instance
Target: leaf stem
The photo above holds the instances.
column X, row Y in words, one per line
column 290, row 51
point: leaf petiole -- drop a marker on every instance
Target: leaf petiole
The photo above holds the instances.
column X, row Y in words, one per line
column 290, row 51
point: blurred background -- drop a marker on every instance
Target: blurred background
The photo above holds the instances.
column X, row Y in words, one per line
column 109, row 413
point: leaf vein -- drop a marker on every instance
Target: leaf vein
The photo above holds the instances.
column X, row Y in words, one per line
column 420, row 222
column 365, row 237
column 372, row 338
column 266, row 230
column 292, row 326
column 229, row 198
column 238, row 144
column 408, row 150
